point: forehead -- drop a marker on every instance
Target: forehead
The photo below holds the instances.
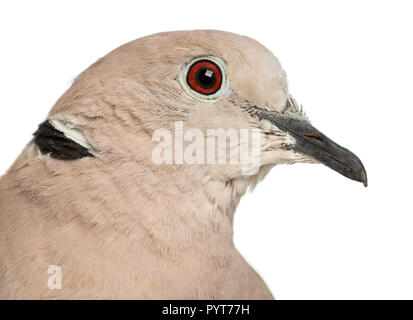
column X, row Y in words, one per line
column 254, row 72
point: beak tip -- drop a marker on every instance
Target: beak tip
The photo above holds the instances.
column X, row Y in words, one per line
column 363, row 178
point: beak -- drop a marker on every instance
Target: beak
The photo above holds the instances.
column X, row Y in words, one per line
column 312, row 142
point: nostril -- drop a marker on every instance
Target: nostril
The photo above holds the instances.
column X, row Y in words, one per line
column 314, row 135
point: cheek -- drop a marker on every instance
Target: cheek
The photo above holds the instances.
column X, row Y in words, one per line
column 220, row 114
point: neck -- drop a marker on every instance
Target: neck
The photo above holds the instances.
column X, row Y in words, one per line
column 167, row 208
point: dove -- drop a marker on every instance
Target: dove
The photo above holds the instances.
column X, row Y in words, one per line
column 121, row 193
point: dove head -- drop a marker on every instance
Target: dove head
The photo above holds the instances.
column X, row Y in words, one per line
column 208, row 104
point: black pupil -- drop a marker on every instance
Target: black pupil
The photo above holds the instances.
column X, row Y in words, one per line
column 206, row 78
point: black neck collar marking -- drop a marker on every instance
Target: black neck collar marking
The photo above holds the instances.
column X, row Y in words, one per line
column 50, row 140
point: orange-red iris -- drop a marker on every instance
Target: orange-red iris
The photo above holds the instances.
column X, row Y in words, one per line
column 204, row 77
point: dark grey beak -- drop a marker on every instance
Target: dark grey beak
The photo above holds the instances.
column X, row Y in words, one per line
column 312, row 142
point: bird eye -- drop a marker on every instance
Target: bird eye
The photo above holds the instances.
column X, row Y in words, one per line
column 204, row 77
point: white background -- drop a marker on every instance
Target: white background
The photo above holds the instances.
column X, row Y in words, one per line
column 308, row 231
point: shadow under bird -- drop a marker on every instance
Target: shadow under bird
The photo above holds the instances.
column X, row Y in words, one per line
column 87, row 197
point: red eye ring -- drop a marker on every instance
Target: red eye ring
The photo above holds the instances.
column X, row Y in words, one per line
column 204, row 77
